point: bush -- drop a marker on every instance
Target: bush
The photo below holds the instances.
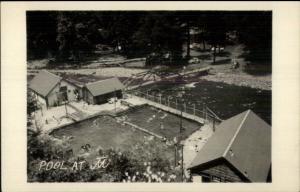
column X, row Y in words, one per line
column 128, row 166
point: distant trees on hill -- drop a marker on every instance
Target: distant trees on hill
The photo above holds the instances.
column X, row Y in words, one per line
column 73, row 35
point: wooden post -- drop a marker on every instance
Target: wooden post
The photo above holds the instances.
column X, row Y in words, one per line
column 184, row 104
column 181, row 115
column 66, row 108
column 115, row 100
column 36, row 127
column 194, row 108
column 182, row 171
column 176, row 103
column 214, row 128
column 175, row 154
column 42, row 110
column 168, row 101
column 160, row 98
column 205, row 113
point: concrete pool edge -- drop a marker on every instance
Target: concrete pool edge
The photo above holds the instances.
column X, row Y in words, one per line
column 111, row 114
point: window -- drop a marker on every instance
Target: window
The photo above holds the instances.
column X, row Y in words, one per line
column 63, row 89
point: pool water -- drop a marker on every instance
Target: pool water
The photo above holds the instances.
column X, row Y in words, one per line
column 102, row 131
column 162, row 123
column 106, row 133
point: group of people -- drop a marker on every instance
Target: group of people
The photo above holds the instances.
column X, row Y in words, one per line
column 86, row 147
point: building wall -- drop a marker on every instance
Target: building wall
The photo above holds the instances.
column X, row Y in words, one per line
column 71, row 89
column 223, row 172
column 87, row 96
column 52, row 96
column 101, row 99
column 220, row 171
column 40, row 99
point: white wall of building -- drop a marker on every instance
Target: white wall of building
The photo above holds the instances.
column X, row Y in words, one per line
column 52, row 96
column 71, row 89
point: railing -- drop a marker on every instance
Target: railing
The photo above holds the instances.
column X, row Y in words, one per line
column 204, row 113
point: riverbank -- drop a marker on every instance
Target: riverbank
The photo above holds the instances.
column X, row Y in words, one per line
column 240, row 76
column 242, row 79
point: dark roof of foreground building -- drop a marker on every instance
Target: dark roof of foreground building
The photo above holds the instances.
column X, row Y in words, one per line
column 44, row 82
column 245, row 142
column 104, row 86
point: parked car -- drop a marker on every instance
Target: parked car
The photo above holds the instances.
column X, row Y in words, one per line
column 221, row 48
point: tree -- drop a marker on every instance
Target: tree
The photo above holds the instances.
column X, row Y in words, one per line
column 216, row 31
column 167, row 36
column 31, row 103
column 71, row 35
column 64, row 36
column 186, row 21
column 41, row 34
column 255, row 29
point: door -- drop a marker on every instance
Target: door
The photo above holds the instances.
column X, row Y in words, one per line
column 63, row 93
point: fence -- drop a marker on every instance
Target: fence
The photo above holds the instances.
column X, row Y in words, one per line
column 177, row 103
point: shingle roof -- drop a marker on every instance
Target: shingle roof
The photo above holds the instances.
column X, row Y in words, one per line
column 244, row 141
column 44, row 82
column 104, row 86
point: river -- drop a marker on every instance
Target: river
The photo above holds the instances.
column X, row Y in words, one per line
column 224, row 99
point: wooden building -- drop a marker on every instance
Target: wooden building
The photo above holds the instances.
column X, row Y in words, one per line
column 53, row 90
column 239, row 151
column 100, row 92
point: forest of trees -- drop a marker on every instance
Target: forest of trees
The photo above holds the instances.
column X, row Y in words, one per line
column 72, row 35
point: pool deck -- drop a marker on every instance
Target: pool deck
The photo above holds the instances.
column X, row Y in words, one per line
column 56, row 117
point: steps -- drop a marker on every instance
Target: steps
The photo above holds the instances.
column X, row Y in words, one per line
column 78, row 115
